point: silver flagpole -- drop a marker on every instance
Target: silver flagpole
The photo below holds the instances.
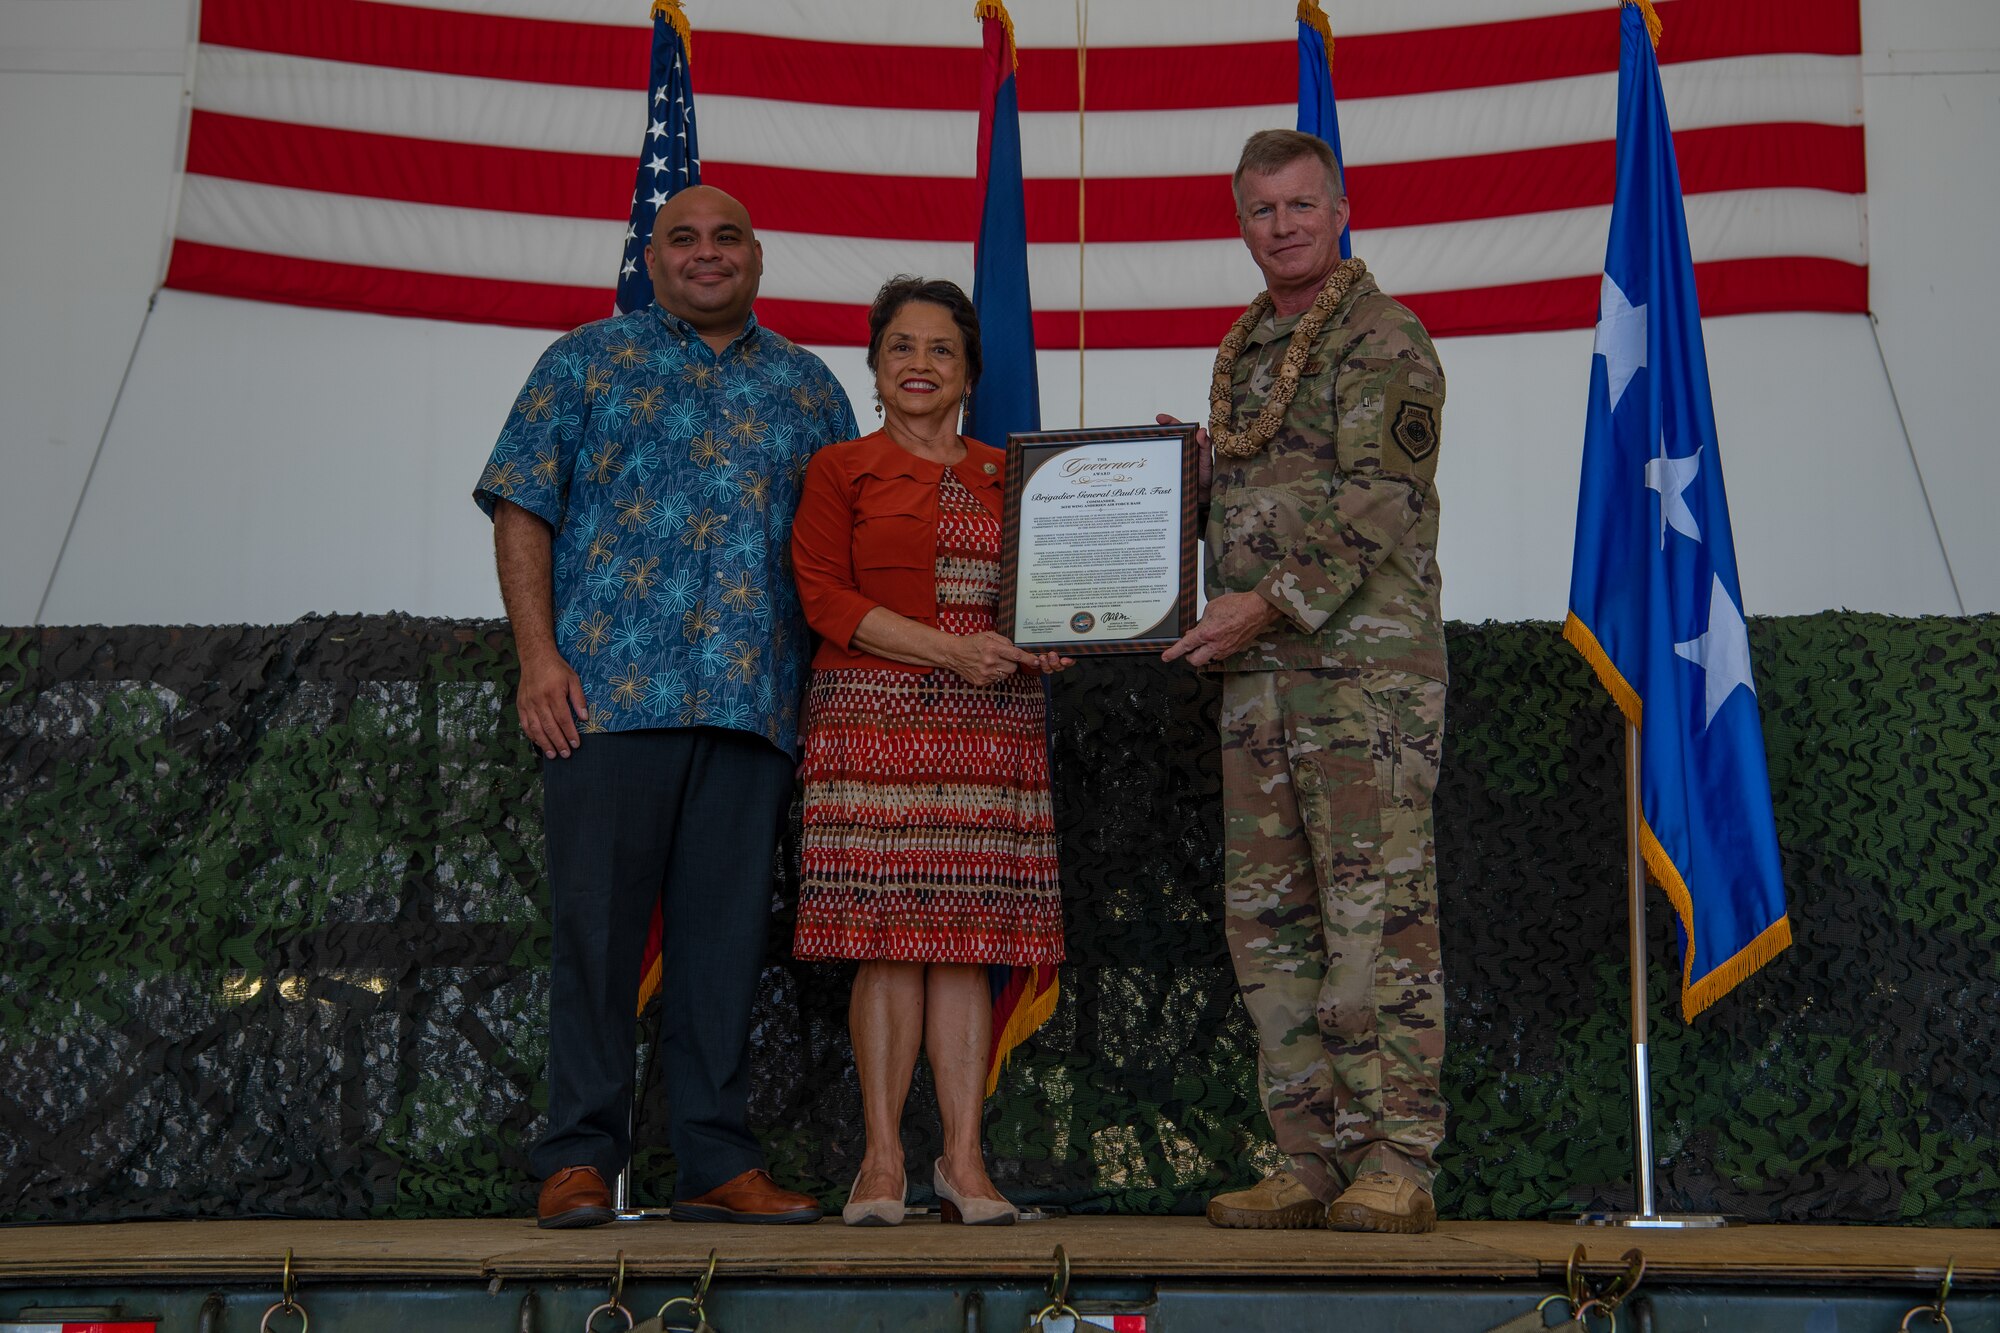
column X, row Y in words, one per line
column 1642, row 1077
column 622, row 1206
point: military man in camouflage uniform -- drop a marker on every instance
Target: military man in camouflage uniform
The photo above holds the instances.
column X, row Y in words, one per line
column 1324, row 618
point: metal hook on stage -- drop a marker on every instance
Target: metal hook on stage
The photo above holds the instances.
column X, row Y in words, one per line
column 614, row 1306
column 1573, row 1280
column 692, row 1304
column 288, row 1302
column 1625, row 1283
column 1058, row 1305
column 1936, row 1308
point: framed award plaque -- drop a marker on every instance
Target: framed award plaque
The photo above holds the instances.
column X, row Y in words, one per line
column 1097, row 545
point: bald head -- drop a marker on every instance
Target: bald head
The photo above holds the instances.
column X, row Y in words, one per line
column 705, row 261
column 700, row 199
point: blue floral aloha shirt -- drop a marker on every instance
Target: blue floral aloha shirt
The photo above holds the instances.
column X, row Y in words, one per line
column 670, row 475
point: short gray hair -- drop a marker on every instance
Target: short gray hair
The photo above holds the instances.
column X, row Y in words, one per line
column 1268, row 150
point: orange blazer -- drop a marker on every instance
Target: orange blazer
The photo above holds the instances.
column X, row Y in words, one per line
column 866, row 536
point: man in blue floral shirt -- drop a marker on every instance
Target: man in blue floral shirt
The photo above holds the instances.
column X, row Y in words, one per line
column 642, row 497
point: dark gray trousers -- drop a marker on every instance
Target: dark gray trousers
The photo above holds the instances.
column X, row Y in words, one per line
column 688, row 818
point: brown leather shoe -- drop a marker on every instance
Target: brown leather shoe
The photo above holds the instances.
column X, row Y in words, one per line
column 750, row 1197
column 573, row 1197
column 1380, row 1201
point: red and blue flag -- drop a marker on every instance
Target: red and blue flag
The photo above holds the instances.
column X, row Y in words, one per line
column 1006, row 400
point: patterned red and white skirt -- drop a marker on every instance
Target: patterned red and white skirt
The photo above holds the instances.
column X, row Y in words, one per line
column 929, row 835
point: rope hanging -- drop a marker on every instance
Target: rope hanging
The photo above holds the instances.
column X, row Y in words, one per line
column 1082, row 49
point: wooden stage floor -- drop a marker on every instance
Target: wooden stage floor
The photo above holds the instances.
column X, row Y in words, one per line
column 1099, row 1248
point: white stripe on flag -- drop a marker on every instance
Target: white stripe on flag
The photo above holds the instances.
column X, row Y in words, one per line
column 949, row 23
column 306, row 224
column 890, row 142
column 449, row 108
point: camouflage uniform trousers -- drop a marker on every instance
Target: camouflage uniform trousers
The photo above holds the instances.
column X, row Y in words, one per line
column 1332, row 915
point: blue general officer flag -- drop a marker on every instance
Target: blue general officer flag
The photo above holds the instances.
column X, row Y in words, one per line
column 1008, row 396
column 1317, row 113
column 1655, row 604
column 670, row 158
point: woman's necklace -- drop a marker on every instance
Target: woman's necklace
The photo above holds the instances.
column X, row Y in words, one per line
column 1244, row 443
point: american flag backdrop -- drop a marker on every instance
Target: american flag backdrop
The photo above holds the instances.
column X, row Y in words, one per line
column 467, row 160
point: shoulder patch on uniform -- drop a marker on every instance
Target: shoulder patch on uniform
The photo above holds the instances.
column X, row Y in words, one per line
column 1415, row 429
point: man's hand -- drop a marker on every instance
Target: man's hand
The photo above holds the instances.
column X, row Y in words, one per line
column 550, row 701
column 1204, row 456
column 1049, row 663
column 551, row 697
column 1229, row 624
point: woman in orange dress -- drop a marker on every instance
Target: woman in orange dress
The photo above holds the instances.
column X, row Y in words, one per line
column 929, row 849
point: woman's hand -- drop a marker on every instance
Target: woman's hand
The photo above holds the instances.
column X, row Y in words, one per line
column 982, row 659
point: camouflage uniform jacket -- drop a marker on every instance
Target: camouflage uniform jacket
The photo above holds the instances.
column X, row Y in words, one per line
column 1335, row 521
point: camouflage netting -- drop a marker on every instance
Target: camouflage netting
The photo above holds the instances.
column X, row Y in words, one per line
column 274, row 941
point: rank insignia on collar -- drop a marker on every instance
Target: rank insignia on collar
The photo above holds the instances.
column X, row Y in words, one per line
column 1415, row 430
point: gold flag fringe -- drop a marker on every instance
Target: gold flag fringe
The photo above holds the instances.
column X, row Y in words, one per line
column 995, row 9
column 1025, row 1021
column 1652, row 17
column 671, row 11
column 1695, row 995
column 1621, row 691
column 1314, row 17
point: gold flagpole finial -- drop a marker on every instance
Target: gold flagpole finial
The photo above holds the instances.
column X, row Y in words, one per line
column 997, row 9
column 1652, row 17
column 671, row 11
column 1314, row 17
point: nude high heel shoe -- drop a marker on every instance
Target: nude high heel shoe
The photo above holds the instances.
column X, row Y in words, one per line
column 953, row 1207
column 874, row 1212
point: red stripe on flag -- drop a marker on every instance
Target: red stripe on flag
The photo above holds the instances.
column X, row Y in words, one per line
column 1561, row 46
column 1541, row 180
column 254, row 276
column 1122, row 209
column 1732, row 287
column 420, row 171
column 946, row 78
column 487, row 46
column 1725, row 287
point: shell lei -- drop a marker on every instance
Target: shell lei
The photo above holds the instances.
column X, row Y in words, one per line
column 1244, row 443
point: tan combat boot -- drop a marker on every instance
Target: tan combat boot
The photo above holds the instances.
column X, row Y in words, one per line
column 1380, row 1201
column 1278, row 1202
